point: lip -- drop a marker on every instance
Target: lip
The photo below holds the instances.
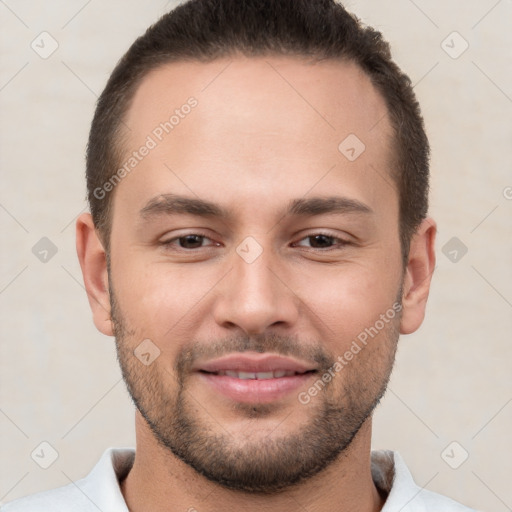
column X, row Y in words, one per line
column 255, row 362
column 255, row 390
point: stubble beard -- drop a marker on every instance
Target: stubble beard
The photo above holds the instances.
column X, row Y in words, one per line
column 277, row 461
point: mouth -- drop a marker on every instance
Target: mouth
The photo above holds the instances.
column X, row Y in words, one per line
column 277, row 374
column 255, row 378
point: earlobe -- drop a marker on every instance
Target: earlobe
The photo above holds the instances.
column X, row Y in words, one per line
column 93, row 262
column 418, row 276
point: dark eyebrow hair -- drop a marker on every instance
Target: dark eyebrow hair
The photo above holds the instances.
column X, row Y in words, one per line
column 170, row 204
column 174, row 204
column 321, row 205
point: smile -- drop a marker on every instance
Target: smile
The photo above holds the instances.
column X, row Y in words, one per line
column 258, row 375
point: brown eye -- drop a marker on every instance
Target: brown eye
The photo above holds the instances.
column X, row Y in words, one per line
column 190, row 241
column 187, row 242
column 323, row 241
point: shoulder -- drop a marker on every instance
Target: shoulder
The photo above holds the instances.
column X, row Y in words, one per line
column 392, row 476
column 67, row 498
column 432, row 501
column 99, row 490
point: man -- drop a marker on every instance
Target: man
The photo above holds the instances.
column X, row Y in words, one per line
column 257, row 173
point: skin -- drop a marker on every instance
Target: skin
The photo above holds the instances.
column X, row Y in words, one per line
column 265, row 131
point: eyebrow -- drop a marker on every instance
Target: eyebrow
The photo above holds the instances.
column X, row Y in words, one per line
column 173, row 204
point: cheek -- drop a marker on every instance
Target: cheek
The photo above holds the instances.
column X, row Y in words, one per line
column 162, row 300
column 348, row 299
column 158, row 299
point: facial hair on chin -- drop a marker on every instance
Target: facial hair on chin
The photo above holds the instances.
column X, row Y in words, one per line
column 265, row 466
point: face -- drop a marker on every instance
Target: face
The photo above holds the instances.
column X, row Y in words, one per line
column 260, row 263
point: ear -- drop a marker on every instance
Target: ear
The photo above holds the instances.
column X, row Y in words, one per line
column 93, row 262
column 418, row 275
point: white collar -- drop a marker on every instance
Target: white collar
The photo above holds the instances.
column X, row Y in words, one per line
column 100, row 488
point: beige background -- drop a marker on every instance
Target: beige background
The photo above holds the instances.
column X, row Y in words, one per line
column 59, row 379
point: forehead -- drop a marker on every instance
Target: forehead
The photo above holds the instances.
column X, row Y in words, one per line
column 257, row 121
column 337, row 94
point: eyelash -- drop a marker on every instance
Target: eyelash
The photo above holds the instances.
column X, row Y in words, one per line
column 340, row 241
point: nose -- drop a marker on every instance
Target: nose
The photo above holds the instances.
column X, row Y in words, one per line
column 255, row 296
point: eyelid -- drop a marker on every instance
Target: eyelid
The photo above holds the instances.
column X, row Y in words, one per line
column 190, row 233
column 339, row 241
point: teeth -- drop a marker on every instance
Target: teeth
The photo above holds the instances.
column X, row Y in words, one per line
column 265, row 375
column 256, row 375
column 246, row 375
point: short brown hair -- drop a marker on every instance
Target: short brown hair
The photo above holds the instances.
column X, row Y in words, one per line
column 205, row 30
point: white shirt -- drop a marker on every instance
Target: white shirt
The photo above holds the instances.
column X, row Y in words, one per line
column 100, row 490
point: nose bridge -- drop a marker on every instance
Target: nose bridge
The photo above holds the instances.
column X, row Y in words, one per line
column 253, row 296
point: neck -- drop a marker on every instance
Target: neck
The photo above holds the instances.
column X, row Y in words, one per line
column 160, row 481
